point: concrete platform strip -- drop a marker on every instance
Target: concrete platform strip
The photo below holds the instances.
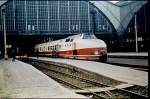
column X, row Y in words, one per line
column 21, row 80
column 130, row 55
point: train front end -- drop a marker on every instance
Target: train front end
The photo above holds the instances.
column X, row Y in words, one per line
column 93, row 48
column 101, row 51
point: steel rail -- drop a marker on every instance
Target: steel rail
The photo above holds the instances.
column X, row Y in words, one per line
column 84, row 79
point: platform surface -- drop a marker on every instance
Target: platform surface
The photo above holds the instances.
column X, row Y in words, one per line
column 21, row 80
column 138, row 62
column 123, row 74
column 128, row 54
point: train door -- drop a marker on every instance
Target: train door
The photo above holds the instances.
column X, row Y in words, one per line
column 74, row 51
column 54, row 51
column 57, row 50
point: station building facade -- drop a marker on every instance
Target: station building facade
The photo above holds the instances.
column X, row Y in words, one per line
column 142, row 19
column 46, row 17
column 37, row 21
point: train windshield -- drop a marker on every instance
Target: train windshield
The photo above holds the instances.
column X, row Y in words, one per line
column 88, row 36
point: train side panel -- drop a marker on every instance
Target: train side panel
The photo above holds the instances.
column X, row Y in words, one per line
column 90, row 49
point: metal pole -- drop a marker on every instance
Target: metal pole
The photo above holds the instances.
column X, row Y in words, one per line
column 25, row 14
column 14, row 12
column 58, row 16
column 48, row 15
column 69, row 15
column 89, row 17
column 136, row 41
column 145, row 19
column 5, row 43
column 79, row 15
column 37, row 20
column 94, row 23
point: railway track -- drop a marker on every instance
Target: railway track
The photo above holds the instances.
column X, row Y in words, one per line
column 78, row 79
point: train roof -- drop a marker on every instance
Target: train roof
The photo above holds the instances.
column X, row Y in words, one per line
column 83, row 36
column 42, row 44
column 73, row 37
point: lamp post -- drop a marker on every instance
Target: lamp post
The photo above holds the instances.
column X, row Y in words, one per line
column 136, row 40
column 5, row 43
column 94, row 19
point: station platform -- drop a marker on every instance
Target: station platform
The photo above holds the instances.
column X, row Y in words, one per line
column 21, row 80
column 135, row 55
column 123, row 74
column 129, row 58
column 126, row 61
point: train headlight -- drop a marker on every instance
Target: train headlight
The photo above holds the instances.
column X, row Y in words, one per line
column 96, row 52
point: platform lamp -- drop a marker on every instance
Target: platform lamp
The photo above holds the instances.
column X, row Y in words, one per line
column 4, row 27
column 136, row 37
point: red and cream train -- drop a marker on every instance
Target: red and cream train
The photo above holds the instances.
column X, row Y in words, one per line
column 81, row 46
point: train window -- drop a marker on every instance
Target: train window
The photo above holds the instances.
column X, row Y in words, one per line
column 43, row 48
column 52, row 47
column 67, row 40
column 40, row 49
column 49, row 47
column 55, row 47
column 88, row 36
column 71, row 40
column 59, row 46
